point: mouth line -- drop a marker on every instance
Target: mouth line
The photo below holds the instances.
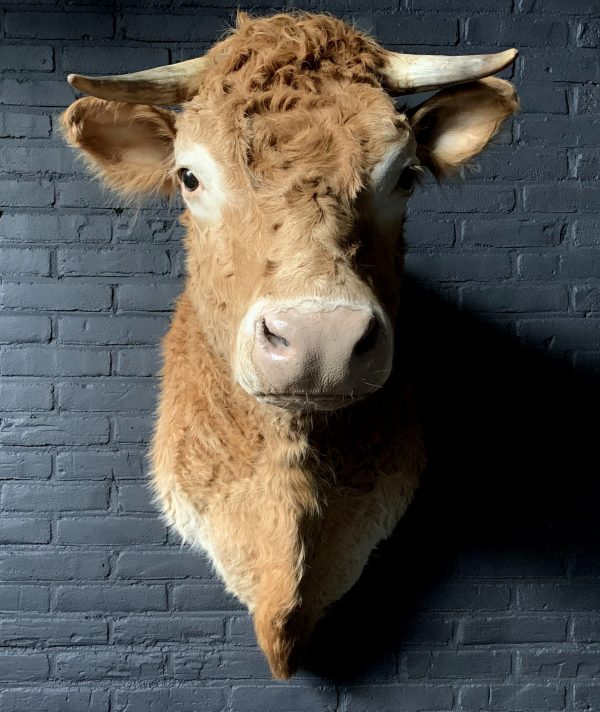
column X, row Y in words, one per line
column 310, row 402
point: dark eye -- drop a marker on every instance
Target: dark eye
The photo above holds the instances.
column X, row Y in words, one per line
column 406, row 181
column 188, row 179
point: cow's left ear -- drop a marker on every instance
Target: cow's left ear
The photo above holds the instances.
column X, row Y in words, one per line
column 455, row 124
column 130, row 146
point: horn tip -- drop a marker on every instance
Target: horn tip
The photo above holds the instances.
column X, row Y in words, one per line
column 72, row 79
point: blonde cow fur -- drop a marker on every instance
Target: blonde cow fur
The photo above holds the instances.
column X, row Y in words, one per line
column 304, row 167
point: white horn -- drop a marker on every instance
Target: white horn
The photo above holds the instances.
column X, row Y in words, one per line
column 171, row 84
column 410, row 73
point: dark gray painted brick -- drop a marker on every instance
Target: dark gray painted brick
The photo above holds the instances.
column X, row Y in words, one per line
column 587, row 100
column 24, row 530
column 234, row 664
column 147, row 297
column 131, row 59
column 586, row 231
column 16, row 395
column 25, row 193
column 108, row 530
column 462, row 6
column 116, row 395
column 110, row 665
column 587, row 697
column 37, row 159
column 138, row 362
column 390, row 698
column 111, row 329
column 17, row 597
column 574, row 333
column 523, row 563
column 512, row 630
column 54, row 361
column 456, row 596
column 456, row 665
column 23, row 329
column 54, row 430
column 517, row 698
column 136, row 498
column 34, row 92
column 537, row 266
column 517, row 31
column 542, row 99
column 24, row 261
column 99, row 465
column 25, row 464
column 557, row 66
column 463, row 199
column 114, row 262
column 166, row 565
column 64, row 296
column 588, row 34
column 458, row 268
column 16, row 124
column 136, row 630
column 178, row 699
column 563, row 664
column 28, row 632
column 515, row 299
column 203, row 597
column 54, row 565
column 111, row 598
column 54, row 497
column 17, row 667
column 23, row 227
column 290, row 698
column 167, row 28
column 134, row 429
column 68, row 25
column 413, row 31
column 70, row 699
column 563, row 597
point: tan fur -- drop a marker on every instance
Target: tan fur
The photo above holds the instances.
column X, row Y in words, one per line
column 288, row 505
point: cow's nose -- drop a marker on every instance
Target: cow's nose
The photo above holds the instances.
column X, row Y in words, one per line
column 333, row 352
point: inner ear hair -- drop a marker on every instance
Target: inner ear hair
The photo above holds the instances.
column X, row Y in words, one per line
column 129, row 146
column 456, row 124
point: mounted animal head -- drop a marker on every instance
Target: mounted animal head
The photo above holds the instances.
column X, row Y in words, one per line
column 295, row 167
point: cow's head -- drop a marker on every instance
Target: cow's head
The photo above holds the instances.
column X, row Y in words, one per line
column 295, row 167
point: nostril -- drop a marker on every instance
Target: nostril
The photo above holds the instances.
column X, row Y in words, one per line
column 368, row 340
column 274, row 339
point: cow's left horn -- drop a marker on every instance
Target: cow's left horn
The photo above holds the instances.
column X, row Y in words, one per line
column 171, row 84
column 410, row 73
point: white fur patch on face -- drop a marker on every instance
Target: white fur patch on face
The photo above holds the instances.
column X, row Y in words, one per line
column 206, row 202
column 387, row 200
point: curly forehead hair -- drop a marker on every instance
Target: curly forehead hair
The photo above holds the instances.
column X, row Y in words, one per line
column 301, row 91
column 295, row 50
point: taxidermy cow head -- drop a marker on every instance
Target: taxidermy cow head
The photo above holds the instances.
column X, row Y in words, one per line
column 295, row 168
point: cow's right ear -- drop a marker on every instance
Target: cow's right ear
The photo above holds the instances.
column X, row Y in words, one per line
column 130, row 146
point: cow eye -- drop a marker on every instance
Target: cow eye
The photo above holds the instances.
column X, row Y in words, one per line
column 188, row 179
column 406, row 181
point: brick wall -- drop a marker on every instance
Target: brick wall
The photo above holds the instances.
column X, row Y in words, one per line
column 488, row 595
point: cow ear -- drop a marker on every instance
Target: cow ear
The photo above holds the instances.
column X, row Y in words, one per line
column 456, row 124
column 130, row 146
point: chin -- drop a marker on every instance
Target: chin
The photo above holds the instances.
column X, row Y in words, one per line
column 310, row 403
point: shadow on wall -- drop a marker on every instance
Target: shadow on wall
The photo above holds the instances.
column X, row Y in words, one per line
column 513, row 470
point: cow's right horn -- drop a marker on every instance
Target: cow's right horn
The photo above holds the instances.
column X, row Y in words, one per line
column 410, row 73
column 168, row 85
